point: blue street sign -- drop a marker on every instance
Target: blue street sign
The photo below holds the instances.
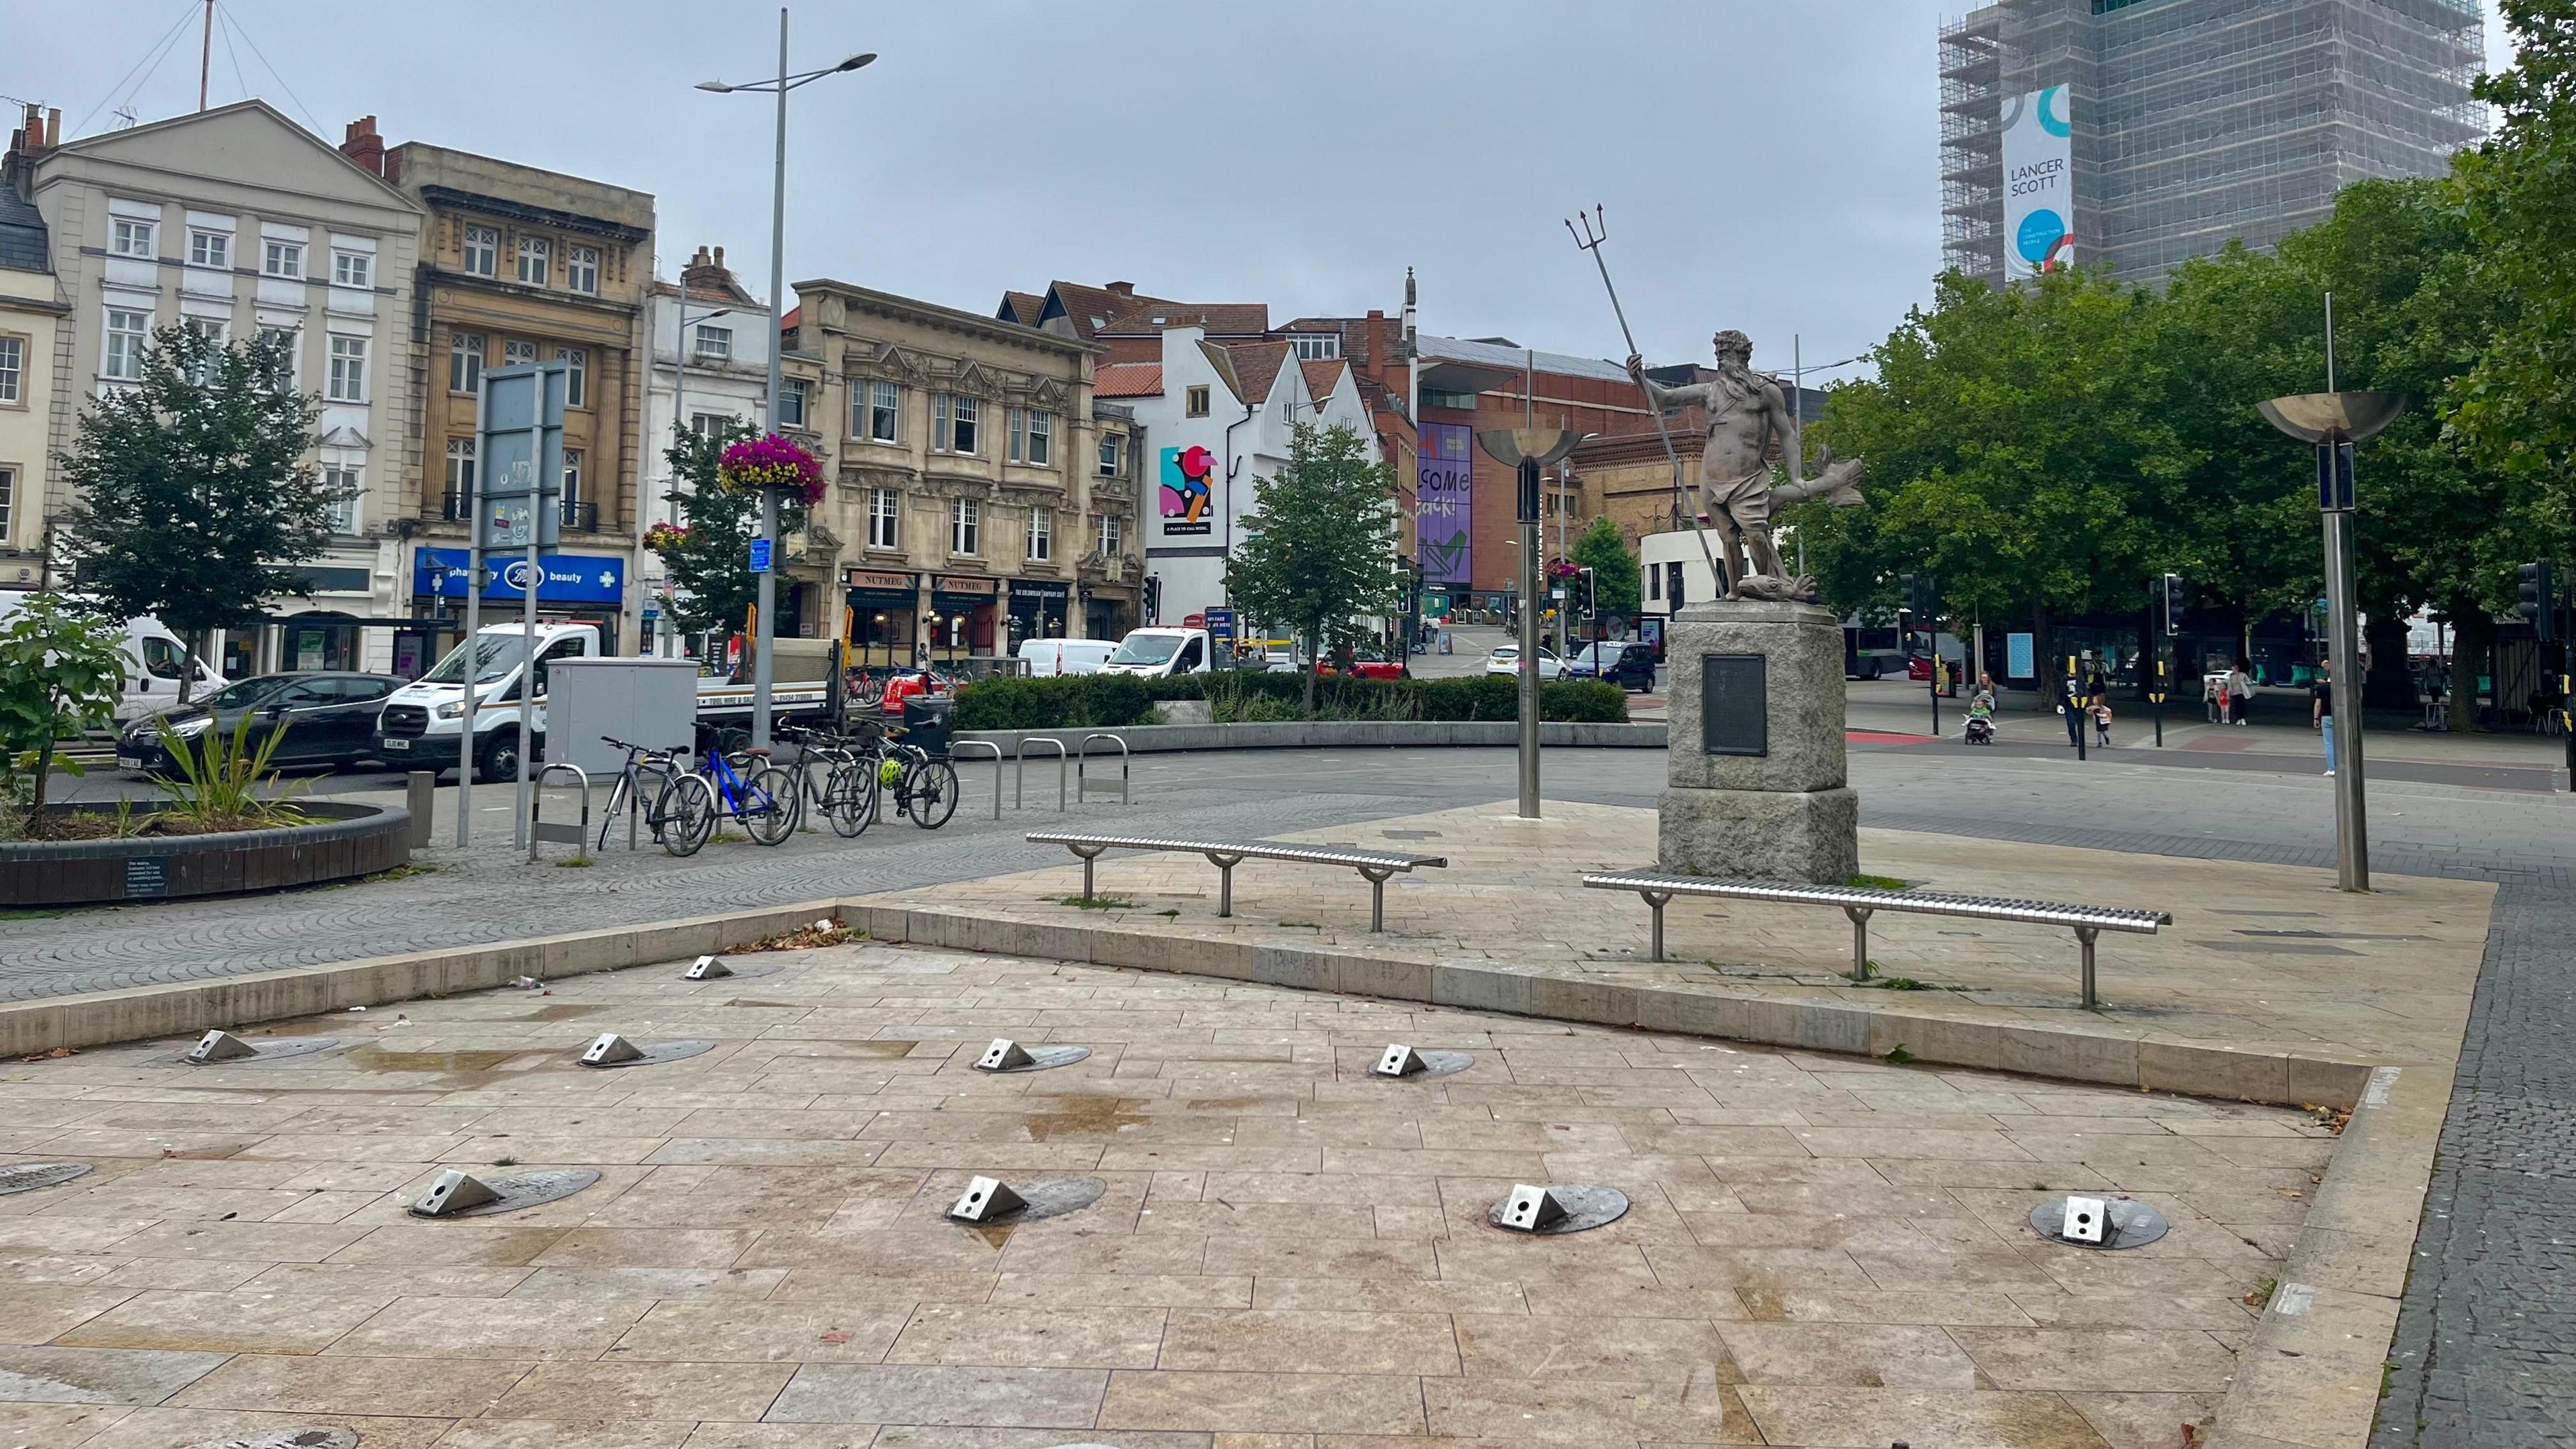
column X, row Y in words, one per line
column 570, row 578
column 760, row 555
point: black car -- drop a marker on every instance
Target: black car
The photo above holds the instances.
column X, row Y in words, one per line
column 329, row 719
column 1629, row 664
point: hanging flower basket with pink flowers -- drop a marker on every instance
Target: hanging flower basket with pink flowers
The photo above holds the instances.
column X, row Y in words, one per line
column 771, row 462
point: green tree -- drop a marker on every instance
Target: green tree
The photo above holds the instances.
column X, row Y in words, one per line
column 195, row 499
column 1318, row 550
column 61, row 673
column 2009, row 437
column 1614, row 569
column 709, row 561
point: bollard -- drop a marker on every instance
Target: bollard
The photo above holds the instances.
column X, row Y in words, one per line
column 423, row 799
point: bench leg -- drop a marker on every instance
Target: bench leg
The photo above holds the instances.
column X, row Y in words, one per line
column 1655, row 934
column 1377, row 898
column 2084, row 936
column 1088, row 856
column 1860, row 941
column 1225, row 865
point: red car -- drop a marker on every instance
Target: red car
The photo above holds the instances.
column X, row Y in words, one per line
column 904, row 686
column 1918, row 667
column 1377, row 668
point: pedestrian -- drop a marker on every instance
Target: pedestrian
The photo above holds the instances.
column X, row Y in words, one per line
column 2321, row 713
column 2240, row 693
column 2101, row 724
column 2213, row 696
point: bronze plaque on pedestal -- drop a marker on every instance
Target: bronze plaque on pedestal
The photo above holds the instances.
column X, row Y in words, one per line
column 1734, row 711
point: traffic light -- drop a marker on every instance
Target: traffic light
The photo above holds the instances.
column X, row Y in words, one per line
column 1906, row 610
column 1921, row 597
column 2538, row 598
column 1589, row 594
column 1153, row 599
column 2175, row 602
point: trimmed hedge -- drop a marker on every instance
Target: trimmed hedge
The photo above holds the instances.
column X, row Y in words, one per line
column 1106, row 701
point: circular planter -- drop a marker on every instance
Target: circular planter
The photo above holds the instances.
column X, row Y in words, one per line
column 339, row 841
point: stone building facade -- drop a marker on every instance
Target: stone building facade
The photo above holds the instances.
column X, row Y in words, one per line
column 969, row 509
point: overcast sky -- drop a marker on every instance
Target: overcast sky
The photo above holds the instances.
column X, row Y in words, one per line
column 1768, row 166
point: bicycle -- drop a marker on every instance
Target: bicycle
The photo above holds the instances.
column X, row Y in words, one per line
column 847, row 792
column 924, row 785
column 683, row 812
column 764, row 804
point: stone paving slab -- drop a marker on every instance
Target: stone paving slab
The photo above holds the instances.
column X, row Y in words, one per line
column 1824, row 1250
column 2260, row 959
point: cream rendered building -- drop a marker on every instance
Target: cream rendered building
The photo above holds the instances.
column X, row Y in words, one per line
column 30, row 310
column 240, row 220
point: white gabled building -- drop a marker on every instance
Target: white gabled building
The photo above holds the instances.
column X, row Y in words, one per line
column 710, row 367
column 1219, row 415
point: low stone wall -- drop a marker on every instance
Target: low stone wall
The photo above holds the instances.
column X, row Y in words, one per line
column 341, row 840
column 1339, row 734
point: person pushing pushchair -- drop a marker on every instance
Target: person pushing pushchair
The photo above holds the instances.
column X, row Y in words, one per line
column 1981, row 713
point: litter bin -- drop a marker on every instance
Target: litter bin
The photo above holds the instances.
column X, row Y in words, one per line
column 926, row 719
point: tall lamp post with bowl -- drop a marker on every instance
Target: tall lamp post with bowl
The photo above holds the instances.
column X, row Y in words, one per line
column 765, row 628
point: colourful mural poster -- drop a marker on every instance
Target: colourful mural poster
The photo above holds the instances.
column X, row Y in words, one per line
column 1187, row 498
column 1440, row 504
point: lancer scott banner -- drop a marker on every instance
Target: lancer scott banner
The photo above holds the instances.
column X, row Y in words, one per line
column 2039, row 192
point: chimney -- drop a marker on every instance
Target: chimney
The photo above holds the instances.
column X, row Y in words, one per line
column 1123, row 289
column 53, row 128
column 1375, row 335
column 362, row 145
column 706, row 272
column 720, row 256
column 29, row 140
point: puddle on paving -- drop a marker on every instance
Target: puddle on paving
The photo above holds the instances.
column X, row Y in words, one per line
column 1083, row 1115
column 377, row 1059
column 564, row 1012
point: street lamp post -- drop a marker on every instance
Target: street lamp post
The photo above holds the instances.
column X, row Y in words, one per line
column 2333, row 422
column 1529, row 451
column 766, row 627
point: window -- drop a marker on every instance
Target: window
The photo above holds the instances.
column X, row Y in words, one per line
column 571, row 487
column 348, row 382
column 13, row 370
column 1041, row 535
column 714, row 344
column 884, row 507
column 8, row 498
column 482, row 249
column 1032, row 437
column 1319, row 349
column 953, row 422
column 126, row 332
column 791, row 403
column 707, row 425
column 576, row 361
column 126, row 238
column 460, row 474
column 343, row 486
column 1018, row 425
column 884, row 422
column 515, row 353
column 283, row 259
column 1113, row 535
column 1196, row 404
column 213, row 330
column 533, row 251
column 581, row 269
column 290, row 343
column 210, row 249
column 465, row 362
column 1111, row 444
column 352, row 269
column 965, row 526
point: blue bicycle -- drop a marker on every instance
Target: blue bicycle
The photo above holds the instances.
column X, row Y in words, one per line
column 764, row 803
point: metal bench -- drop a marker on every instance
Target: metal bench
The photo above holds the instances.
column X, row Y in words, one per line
column 1860, row 902
column 1225, row 855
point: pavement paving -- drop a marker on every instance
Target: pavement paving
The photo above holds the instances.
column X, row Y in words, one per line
column 1287, row 1252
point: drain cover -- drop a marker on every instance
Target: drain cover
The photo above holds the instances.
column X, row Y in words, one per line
column 288, row 1439
column 1399, row 1060
column 28, row 1176
column 608, row 1049
column 463, row 1195
column 1548, row 1211
column 1006, row 1055
column 1051, row 1198
column 2128, row 1223
column 222, row 1048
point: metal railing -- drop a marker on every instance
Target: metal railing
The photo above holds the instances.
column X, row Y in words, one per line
column 1020, row 782
column 456, row 506
column 1084, row 789
column 539, row 832
column 954, row 746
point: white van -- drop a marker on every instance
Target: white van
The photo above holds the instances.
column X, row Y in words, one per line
column 1049, row 657
column 154, row 658
column 1156, row 653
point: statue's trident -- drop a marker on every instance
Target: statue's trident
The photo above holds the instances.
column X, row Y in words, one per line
column 1589, row 237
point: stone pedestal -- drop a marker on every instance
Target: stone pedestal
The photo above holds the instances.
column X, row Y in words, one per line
column 1754, row 787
